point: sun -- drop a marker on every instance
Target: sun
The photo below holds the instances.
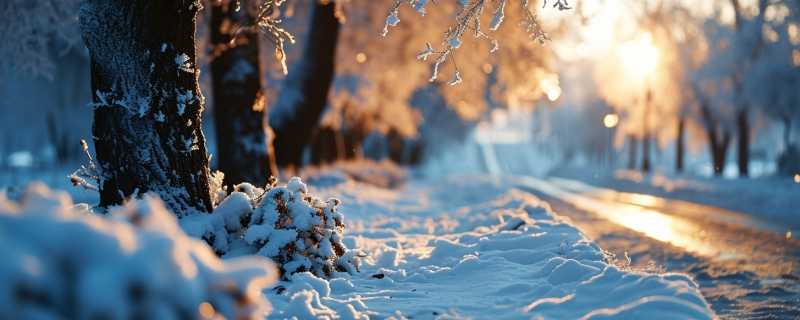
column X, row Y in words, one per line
column 639, row 57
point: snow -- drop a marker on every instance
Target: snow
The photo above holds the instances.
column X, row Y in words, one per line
column 460, row 247
column 62, row 261
column 480, row 249
column 769, row 198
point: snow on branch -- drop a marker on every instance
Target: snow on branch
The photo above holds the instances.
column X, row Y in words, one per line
column 468, row 20
column 87, row 173
column 268, row 23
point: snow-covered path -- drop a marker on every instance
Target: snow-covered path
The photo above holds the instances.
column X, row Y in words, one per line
column 476, row 247
column 746, row 267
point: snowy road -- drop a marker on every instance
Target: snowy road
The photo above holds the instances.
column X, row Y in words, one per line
column 747, row 268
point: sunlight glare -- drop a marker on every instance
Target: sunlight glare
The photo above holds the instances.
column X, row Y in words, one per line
column 639, row 57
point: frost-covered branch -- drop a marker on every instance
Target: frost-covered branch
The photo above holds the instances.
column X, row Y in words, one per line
column 87, row 172
column 268, row 23
column 468, row 20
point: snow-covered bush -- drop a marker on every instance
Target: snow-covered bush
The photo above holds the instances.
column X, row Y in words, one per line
column 297, row 231
column 62, row 261
column 300, row 232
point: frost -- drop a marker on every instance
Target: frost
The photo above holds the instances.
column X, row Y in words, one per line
column 393, row 19
column 454, row 42
column 419, row 5
column 425, row 53
column 495, row 46
column 143, row 104
column 456, row 79
column 499, row 16
column 184, row 64
column 160, row 116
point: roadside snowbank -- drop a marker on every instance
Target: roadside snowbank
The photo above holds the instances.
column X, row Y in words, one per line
column 474, row 247
column 62, row 261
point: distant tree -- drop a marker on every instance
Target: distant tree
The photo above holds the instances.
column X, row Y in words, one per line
column 305, row 94
column 244, row 146
column 34, row 32
column 748, row 46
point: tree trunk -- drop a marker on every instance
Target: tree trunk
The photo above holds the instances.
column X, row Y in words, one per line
column 632, row 152
column 743, row 146
column 147, row 103
column 646, row 153
column 680, row 144
column 718, row 146
column 787, row 132
column 719, row 153
column 304, row 97
column 324, row 146
column 243, row 147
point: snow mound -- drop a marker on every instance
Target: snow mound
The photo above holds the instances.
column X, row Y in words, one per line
column 439, row 249
column 62, row 261
column 284, row 223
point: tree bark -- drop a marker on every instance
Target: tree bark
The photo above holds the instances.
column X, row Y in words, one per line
column 243, row 144
column 304, row 98
column 743, row 146
column 680, row 144
column 147, row 127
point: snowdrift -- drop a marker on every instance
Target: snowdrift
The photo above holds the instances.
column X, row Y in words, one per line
column 476, row 248
column 63, row 262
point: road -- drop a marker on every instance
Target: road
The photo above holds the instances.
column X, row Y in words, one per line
column 746, row 268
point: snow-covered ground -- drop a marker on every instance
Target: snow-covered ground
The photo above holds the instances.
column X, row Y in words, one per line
column 460, row 247
column 472, row 247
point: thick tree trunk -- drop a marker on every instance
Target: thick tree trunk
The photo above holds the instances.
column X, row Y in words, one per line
column 680, row 144
column 304, row 97
column 632, row 152
column 743, row 145
column 147, row 131
column 243, row 147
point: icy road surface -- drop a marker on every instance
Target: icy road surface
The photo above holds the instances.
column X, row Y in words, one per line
column 746, row 268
